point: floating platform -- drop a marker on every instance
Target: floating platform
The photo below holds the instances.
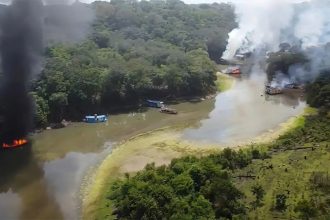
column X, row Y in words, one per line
column 95, row 118
column 168, row 111
column 273, row 90
column 154, row 103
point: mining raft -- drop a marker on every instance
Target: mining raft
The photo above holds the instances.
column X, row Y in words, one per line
column 273, row 90
column 168, row 110
column 233, row 70
column 160, row 104
column 155, row 103
column 95, row 118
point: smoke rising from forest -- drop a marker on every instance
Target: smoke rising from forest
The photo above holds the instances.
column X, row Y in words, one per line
column 264, row 25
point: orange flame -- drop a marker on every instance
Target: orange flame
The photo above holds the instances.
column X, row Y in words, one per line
column 16, row 143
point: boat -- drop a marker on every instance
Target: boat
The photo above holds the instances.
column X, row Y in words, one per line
column 273, row 90
column 292, row 86
column 95, row 118
column 155, row 104
column 233, row 70
column 168, row 111
column 15, row 143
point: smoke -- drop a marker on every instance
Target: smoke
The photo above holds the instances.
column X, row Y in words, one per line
column 66, row 21
column 21, row 46
column 264, row 24
column 25, row 27
column 259, row 25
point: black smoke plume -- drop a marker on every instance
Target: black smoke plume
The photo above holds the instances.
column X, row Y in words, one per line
column 21, row 47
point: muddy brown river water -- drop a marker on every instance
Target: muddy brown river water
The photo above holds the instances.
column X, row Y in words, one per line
column 44, row 182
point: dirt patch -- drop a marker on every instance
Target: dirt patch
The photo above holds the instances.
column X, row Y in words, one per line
column 138, row 161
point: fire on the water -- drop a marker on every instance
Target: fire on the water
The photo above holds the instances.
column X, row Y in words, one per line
column 15, row 143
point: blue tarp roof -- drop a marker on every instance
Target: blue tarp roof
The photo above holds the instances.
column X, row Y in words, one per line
column 92, row 116
column 154, row 101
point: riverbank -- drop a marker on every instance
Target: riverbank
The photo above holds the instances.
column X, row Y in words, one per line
column 297, row 170
column 160, row 147
column 224, row 82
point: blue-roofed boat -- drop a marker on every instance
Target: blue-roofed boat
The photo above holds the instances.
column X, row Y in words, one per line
column 155, row 104
column 95, row 118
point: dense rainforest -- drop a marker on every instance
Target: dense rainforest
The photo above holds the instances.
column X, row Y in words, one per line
column 284, row 179
column 134, row 51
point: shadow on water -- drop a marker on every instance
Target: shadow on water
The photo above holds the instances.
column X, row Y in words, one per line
column 34, row 189
column 19, row 169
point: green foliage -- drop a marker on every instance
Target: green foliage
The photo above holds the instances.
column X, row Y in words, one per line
column 306, row 209
column 57, row 103
column 318, row 92
column 259, row 193
column 136, row 50
column 280, row 202
column 41, row 110
column 315, row 129
column 298, row 169
column 189, row 188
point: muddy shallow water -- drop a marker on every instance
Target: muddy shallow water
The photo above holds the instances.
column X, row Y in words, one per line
column 245, row 112
column 44, row 181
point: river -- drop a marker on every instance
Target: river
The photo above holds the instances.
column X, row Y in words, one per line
column 43, row 182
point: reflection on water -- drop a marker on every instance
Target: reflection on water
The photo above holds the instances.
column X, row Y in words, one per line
column 10, row 205
column 244, row 112
column 23, row 178
column 63, row 177
column 34, row 190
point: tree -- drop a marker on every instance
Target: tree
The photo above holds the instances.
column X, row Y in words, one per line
column 259, row 193
column 306, row 209
column 256, row 154
column 280, row 202
column 183, row 184
column 57, row 103
column 41, row 110
column 188, row 188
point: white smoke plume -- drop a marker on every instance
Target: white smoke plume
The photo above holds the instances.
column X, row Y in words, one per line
column 264, row 24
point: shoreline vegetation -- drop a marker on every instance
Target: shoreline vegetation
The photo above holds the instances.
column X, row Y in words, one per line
column 281, row 174
column 223, row 83
column 163, row 145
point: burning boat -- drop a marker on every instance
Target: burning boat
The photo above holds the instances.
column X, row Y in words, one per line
column 233, row 70
column 21, row 44
column 15, row 143
column 293, row 86
column 273, row 90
